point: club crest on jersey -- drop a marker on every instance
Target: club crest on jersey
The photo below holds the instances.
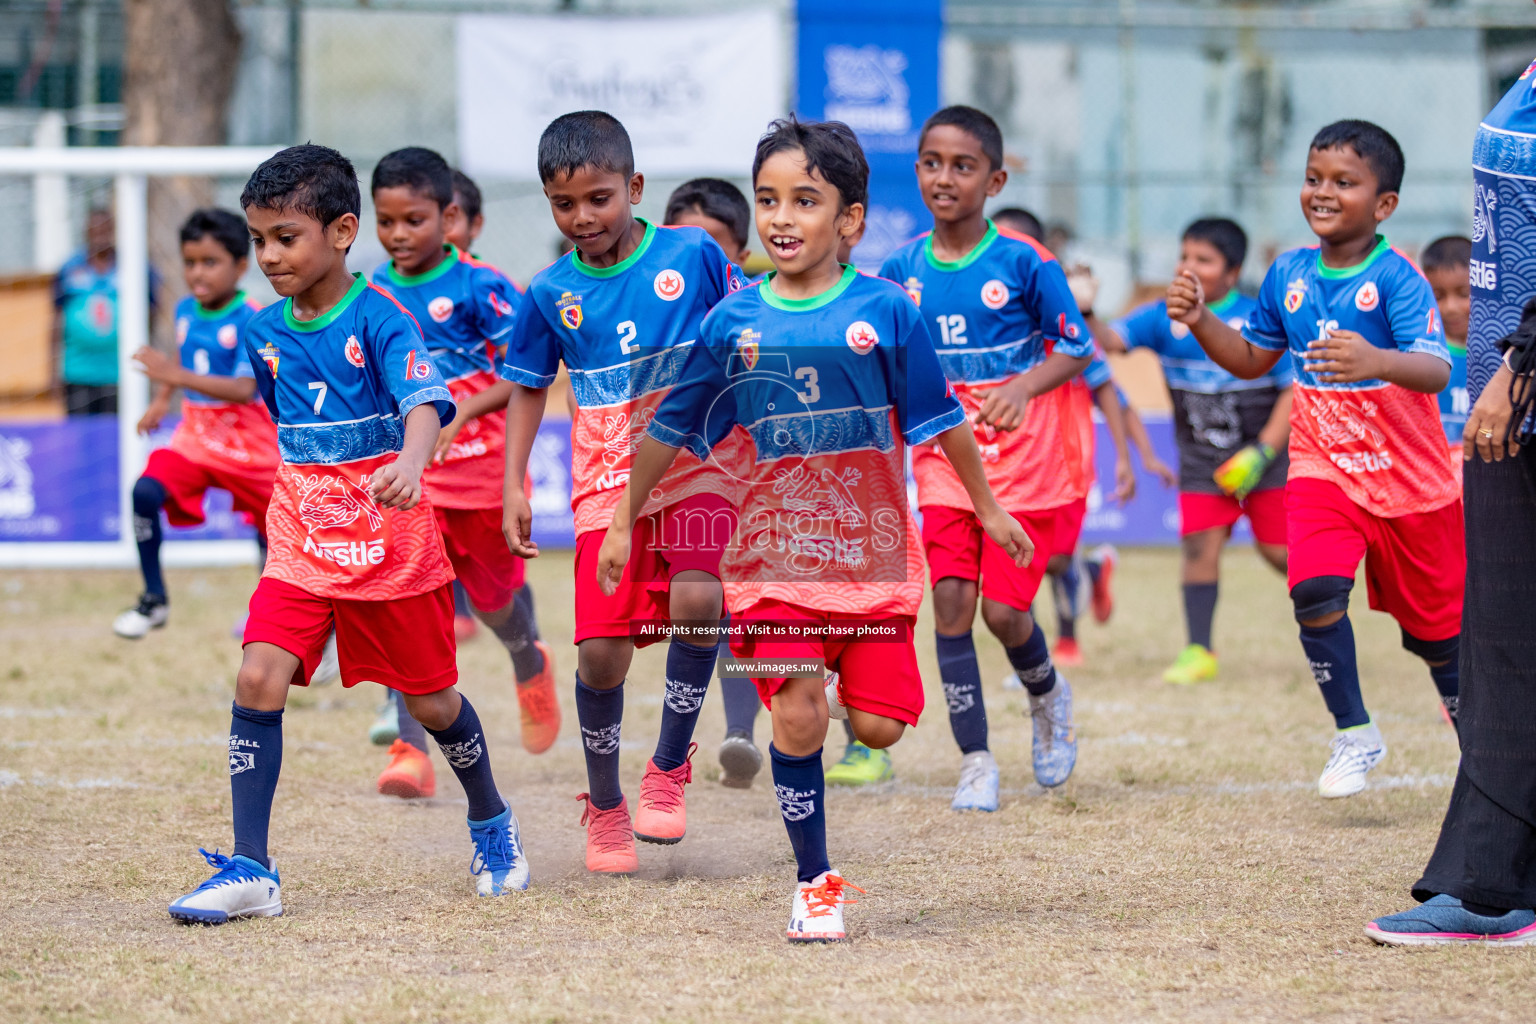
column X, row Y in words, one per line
column 570, row 310
column 1294, row 293
column 914, row 289
column 440, row 309
column 746, row 347
column 861, row 337
column 994, row 294
column 1529, row 70
column 354, row 351
column 229, row 336
column 1368, row 297
column 669, row 285
column 500, row 305
column 416, row 369
column 1065, row 328
column 269, row 356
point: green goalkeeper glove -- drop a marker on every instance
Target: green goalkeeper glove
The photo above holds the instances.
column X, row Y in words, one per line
column 1240, row 474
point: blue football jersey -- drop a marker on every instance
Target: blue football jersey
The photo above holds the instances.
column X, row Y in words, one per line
column 1186, row 367
column 993, row 315
column 339, row 387
column 623, row 333
column 211, row 341
column 828, row 388
column 1455, row 400
column 465, row 309
column 1380, row 443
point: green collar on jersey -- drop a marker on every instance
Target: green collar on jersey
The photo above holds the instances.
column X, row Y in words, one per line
column 220, row 313
column 1221, row 305
column 1334, row 273
column 325, row 319
column 623, row 264
column 971, row 257
column 765, row 289
column 450, row 257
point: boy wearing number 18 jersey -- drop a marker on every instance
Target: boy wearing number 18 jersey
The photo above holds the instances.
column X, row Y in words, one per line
column 1009, row 337
column 621, row 311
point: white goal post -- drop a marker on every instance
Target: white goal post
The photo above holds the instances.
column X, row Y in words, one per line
column 130, row 167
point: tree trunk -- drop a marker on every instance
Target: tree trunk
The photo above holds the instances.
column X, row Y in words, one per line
column 179, row 72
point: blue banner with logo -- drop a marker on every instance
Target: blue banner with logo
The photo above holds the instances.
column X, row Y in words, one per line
column 874, row 65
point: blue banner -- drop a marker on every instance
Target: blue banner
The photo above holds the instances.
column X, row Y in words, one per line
column 874, row 65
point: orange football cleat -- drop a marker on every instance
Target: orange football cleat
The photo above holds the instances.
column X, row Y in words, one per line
column 409, row 774
column 539, row 706
column 662, row 816
column 610, row 838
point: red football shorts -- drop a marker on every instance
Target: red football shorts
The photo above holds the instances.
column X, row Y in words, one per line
column 489, row 571
column 186, row 482
column 406, row 644
column 1068, row 528
column 956, row 545
column 690, row 534
column 1265, row 511
column 878, row 676
column 1415, row 565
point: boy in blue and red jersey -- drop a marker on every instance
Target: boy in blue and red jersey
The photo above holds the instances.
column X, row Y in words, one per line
column 621, row 311
column 1009, row 338
column 1447, row 265
column 829, row 371
column 465, row 309
column 225, row 438
column 1369, row 478
column 1231, row 433
column 353, row 543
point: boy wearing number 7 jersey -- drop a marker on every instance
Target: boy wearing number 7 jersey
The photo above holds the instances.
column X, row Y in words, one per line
column 622, row 310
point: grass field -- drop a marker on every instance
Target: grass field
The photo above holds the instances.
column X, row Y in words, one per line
column 1187, row 872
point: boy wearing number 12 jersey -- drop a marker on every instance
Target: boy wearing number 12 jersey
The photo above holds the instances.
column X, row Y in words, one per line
column 1009, row 337
column 621, row 310
column 1369, row 478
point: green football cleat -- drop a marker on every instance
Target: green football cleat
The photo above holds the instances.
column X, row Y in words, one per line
column 1194, row 665
column 386, row 726
column 861, row 766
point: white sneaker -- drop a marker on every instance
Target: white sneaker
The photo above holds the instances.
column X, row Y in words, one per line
column 238, row 887
column 329, row 669
column 835, row 706
column 150, row 613
column 1354, row 753
column 978, row 783
column 816, row 915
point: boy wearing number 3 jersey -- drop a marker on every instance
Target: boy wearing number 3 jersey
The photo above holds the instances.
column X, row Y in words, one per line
column 622, row 310
column 1369, row 478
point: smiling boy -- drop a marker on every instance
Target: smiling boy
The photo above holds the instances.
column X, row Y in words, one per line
column 1368, row 478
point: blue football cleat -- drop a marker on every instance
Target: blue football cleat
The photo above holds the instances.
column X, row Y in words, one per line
column 499, row 864
column 1443, row 921
column 239, row 887
column 978, row 783
column 1055, row 749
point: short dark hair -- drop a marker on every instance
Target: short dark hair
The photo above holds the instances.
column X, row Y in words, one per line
column 1222, row 234
column 713, row 197
column 831, row 149
column 467, row 194
column 421, row 170
column 315, row 180
column 1016, row 218
column 975, row 123
column 586, row 138
column 223, row 226
column 1373, row 143
column 1446, row 253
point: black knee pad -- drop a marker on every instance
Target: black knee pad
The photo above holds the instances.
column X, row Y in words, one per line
column 1433, row 651
column 1321, row 595
column 148, row 496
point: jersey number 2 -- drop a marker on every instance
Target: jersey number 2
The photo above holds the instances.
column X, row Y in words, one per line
column 626, row 331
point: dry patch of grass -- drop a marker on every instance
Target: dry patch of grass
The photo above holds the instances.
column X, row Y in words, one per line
column 1187, row 872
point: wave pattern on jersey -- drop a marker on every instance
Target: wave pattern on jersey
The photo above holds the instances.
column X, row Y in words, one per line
column 625, row 382
column 838, row 430
column 334, row 443
column 993, row 364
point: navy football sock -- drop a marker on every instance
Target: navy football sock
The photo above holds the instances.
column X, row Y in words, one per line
column 255, row 760
column 1064, row 590
column 961, row 676
column 741, row 704
column 463, row 744
column 599, row 713
column 1447, row 679
column 148, row 498
column 799, row 784
column 1032, row 661
column 1331, row 653
column 411, row 731
column 688, row 672
column 517, row 635
column 1199, row 611
column 848, row 732
column 524, row 597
